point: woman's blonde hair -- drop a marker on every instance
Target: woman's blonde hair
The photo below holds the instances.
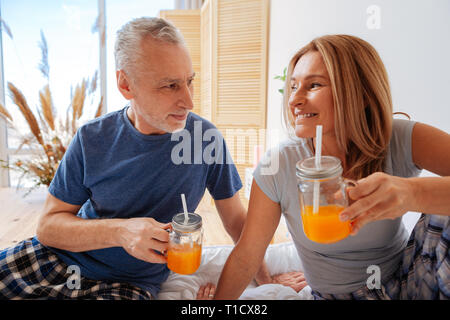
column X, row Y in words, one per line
column 362, row 100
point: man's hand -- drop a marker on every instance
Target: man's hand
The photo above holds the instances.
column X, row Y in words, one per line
column 145, row 239
column 296, row 280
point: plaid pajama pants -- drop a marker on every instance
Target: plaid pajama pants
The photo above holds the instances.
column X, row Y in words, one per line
column 424, row 272
column 29, row 270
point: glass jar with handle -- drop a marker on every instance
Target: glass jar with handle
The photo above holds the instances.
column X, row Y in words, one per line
column 185, row 243
column 320, row 220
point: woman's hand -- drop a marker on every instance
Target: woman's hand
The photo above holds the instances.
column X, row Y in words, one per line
column 296, row 280
column 376, row 197
column 206, row 292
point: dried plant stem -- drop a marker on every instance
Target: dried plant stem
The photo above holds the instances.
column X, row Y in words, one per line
column 47, row 106
column 78, row 103
column 5, row 112
column 21, row 102
column 98, row 113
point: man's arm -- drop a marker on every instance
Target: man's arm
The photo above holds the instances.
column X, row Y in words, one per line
column 60, row 227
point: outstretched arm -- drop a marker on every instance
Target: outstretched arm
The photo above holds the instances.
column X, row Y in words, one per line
column 245, row 260
column 233, row 215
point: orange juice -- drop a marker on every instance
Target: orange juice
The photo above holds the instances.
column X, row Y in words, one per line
column 184, row 258
column 325, row 226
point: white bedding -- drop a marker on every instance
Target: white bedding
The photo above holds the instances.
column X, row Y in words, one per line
column 279, row 258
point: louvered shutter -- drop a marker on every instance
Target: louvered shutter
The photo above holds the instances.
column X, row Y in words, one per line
column 234, row 56
column 188, row 22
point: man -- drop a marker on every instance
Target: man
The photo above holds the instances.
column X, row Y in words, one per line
column 117, row 188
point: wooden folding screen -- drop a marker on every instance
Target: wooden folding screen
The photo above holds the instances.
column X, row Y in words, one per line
column 234, row 66
column 188, row 22
column 228, row 41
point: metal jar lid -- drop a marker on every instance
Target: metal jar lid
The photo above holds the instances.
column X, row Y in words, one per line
column 194, row 222
column 329, row 167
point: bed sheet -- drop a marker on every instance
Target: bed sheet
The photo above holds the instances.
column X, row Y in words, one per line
column 280, row 258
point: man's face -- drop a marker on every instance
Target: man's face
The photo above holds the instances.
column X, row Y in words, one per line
column 160, row 87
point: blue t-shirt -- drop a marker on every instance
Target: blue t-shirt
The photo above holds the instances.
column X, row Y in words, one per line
column 114, row 171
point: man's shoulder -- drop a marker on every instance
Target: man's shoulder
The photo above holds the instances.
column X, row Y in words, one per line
column 109, row 121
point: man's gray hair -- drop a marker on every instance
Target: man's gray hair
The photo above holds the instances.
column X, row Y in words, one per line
column 129, row 37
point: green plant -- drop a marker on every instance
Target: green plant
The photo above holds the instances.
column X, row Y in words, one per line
column 282, row 78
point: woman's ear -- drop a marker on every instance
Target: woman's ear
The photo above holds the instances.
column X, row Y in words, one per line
column 123, row 84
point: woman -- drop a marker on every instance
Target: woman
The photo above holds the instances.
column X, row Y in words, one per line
column 339, row 82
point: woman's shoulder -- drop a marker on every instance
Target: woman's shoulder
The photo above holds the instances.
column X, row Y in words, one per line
column 295, row 149
column 275, row 172
column 401, row 133
column 399, row 125
column 283, row 157
column 399, row 157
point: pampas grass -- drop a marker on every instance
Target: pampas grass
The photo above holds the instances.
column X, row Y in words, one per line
column 50, row 136
column 20, row 101
column 47, row 107
column 99, row 111
column 78, row 103
column 5, row 113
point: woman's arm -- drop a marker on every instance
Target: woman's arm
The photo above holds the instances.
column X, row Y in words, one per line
column 244, row 261
column 431, row 149
column 381, row 196
column 233, row 215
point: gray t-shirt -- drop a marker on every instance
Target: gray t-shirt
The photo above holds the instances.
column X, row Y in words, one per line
column 339, row 267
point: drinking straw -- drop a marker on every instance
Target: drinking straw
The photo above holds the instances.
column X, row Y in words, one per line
column 183, row 200
column 318, row 145
column 318, row 155
column 186, row 218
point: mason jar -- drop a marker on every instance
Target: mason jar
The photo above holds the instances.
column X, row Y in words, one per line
column 185, row 243
column 323, row 225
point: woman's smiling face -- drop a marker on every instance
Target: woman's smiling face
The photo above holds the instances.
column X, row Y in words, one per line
column 311, row 99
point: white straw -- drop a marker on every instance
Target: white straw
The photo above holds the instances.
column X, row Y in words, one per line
column 183, row 200
column 316, row 191
column 316, row 195
column 318, row 145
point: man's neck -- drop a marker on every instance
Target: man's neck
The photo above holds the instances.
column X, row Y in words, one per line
column 140, row 124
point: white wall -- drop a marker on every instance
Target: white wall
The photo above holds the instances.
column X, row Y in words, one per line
column 413, row 40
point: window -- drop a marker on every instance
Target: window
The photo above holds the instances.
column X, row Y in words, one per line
column 73, row 52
